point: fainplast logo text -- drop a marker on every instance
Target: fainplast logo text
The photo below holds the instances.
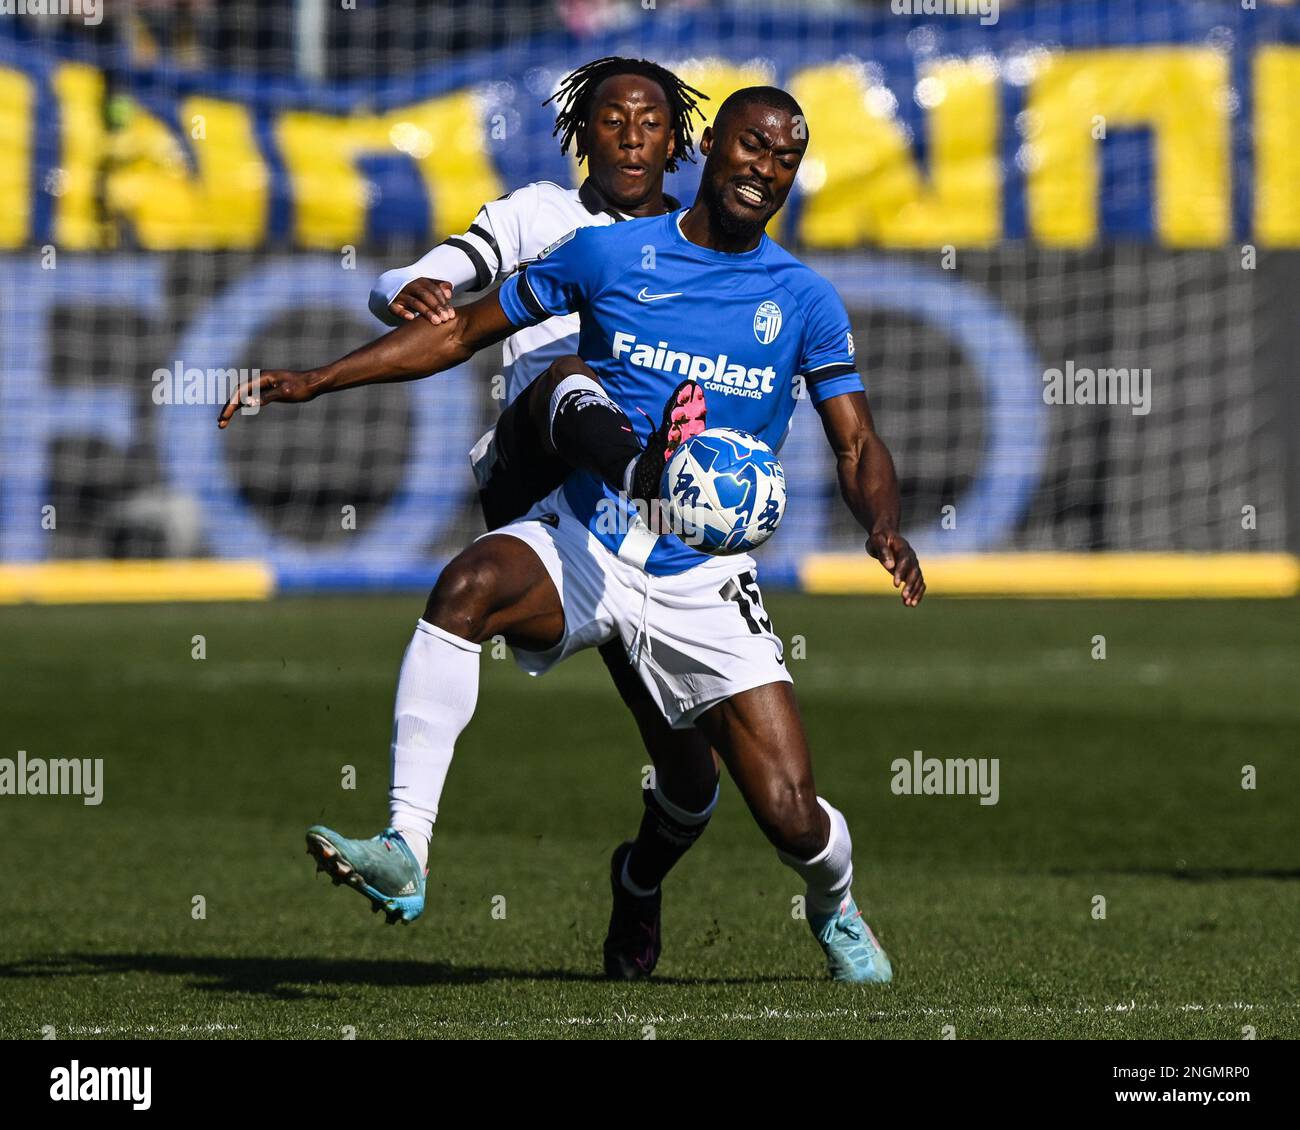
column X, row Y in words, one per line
column 714, row 374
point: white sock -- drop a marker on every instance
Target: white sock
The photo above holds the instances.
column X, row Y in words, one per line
column 436, row 694
column 829, row 874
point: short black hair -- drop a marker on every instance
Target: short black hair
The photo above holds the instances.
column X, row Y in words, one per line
column 578, row 91
column 772, row 96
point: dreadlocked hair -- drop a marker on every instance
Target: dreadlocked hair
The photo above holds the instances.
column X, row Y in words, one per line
column 578, row 90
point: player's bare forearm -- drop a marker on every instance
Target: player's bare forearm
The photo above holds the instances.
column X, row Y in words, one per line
column 869, row 486
column 868, row 482
column 415, row 349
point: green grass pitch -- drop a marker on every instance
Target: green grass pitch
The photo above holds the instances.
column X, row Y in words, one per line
column 1119, row 778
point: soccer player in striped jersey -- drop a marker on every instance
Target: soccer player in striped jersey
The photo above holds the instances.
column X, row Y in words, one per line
column 630, row 121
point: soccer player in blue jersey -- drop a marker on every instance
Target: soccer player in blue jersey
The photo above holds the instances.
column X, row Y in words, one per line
column 687, row 319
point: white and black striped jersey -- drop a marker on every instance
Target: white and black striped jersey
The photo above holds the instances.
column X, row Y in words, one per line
column 507, row 234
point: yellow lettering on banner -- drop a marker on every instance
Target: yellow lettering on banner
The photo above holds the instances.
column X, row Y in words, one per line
column 444, row 136
column 17, row 120
column 1181, row 94
column 221, row 203
column 1277, row 146
column 861, row 175
column 79, row 89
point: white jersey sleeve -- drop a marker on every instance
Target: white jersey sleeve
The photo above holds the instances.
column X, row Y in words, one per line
column 473, row 261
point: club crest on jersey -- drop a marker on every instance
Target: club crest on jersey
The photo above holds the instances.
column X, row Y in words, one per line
column 767, row 322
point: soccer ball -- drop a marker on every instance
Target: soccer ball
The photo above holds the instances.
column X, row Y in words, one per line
column 723, row 491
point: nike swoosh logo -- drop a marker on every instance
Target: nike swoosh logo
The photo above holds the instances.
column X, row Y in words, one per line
column 644, row 297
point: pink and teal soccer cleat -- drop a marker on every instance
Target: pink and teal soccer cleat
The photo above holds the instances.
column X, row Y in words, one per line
column 852, row 952
column 383, row 869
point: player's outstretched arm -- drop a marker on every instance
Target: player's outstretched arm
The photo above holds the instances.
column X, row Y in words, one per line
column 869, row 485
column 415, row 349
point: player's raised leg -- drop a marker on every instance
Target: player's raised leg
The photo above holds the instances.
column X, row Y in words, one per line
column 577, row 419
column 497, row 586
column 760, row 736
column 574, row 416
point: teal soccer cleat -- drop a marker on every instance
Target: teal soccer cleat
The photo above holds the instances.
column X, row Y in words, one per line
column 852, row 952
column 383, row 869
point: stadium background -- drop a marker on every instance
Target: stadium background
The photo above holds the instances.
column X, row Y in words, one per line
column 207, row 187
column 1147, row 747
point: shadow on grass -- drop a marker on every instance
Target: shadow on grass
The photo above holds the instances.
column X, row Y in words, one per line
column 294, row 978
column 1187, row 874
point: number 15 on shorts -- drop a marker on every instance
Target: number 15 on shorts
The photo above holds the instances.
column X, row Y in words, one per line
column 742, row 590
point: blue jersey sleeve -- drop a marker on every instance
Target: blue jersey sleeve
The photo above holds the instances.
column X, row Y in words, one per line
column 555, row 283
column 826, row 361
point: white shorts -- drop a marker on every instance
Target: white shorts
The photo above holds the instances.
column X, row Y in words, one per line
column 695, row 639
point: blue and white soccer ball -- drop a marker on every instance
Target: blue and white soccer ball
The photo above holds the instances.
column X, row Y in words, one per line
column 724, row 491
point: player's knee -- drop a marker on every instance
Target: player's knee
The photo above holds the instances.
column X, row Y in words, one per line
column 683, row 759
column 462, row 600
column 570, row 365
column 690, row 784
column 684, row 768
column 539, row 392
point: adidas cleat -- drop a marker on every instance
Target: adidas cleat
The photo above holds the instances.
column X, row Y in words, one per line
column 633, row 944
column 383, row 869
column 852, row 952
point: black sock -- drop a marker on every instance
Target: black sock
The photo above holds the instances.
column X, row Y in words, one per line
column 593, row 433
column 661, row 841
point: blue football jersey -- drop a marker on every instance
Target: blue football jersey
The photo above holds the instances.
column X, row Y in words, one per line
column 668, row 323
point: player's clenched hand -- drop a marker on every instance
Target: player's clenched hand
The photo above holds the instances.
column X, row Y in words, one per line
column 427, row 298
column 267, row 387
column 891, row 549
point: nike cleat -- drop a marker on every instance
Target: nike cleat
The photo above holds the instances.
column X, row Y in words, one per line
column 383, row 869
column 632, row 945
column 852, row 952
column 684, row 416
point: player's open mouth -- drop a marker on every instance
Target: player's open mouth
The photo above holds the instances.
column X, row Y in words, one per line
column 632, row 170
column 750, row 194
